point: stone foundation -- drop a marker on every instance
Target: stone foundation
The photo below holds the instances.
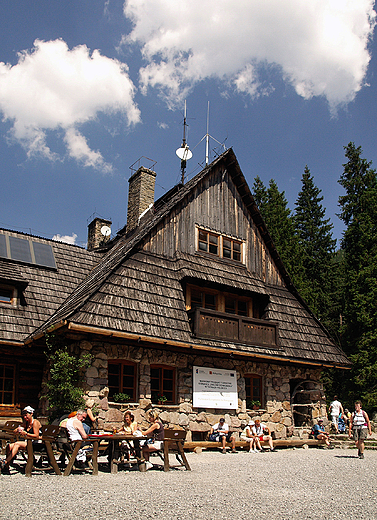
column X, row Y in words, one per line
column 277, row 381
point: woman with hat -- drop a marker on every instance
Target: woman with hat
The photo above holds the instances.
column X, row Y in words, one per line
column 28, row 430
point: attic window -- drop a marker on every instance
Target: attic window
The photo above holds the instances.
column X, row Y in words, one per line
column 8, row 294
column 219, row 245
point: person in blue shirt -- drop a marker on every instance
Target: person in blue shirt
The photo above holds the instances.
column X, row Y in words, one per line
column 320, row 434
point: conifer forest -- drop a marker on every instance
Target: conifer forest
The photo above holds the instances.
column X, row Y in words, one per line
column 339, row 283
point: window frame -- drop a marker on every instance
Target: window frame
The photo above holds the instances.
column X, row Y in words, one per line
column 200, row 231
column 249, row 388
column 161, row 390
column 221, row 297
column 121, row 388
column 3, row 391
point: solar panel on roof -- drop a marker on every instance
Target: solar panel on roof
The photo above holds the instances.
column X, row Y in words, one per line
column 3, row 246
column 43, row 254
column 20, row 249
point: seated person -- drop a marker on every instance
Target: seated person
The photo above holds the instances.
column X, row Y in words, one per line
column 220, row 433
column 262, row 433
column 155, row 443
column 89, row 420
column 29, row 430
column 129, row 427
column 319, row 433
column 249, row 436
column 76, row 432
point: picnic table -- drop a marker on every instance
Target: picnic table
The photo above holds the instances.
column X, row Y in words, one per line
column 113, row 441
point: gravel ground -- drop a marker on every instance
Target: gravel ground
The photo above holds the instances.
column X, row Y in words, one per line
column 287, row 485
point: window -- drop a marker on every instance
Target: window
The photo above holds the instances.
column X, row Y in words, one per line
column 253, row 387
column 231, row 249
column 203, row 299
column 122, row 379
column 162, row 384
column 235, row 306
column 216, row 244
column 7, row 384
column 25, row 250
column 7, row 294
column 206, row 298
column 208, row 242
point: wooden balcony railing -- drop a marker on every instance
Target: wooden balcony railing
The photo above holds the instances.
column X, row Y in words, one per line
column 220, row 325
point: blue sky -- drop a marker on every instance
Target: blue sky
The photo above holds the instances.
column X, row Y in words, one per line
column 87, row 87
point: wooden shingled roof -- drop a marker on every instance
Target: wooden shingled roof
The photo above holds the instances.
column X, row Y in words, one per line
column 134, row 294
column 43, row 289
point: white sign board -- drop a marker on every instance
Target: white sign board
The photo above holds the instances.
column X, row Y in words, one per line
column 214, row 388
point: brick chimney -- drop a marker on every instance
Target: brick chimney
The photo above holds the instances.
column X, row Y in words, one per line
column 140, row 195
column 95, row 237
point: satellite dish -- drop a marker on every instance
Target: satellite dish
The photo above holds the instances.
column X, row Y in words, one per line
column 106, row 231
column 184, row 153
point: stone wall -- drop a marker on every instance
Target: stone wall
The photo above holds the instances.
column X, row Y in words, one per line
column 276, row 384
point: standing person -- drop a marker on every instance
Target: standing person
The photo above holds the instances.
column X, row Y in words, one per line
column 359, row 427
column 29, row 430
column 335, row 409
column 158, row 435
column 220, row 433
column 262, row 433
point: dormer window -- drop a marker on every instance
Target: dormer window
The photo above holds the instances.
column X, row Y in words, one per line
column 219, row 245
column 8, row 294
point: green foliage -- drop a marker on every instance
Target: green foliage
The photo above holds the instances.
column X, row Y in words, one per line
column 280, row 224
column 317, row 246
column 64, row 388
column 359, row 331
column 121, row 397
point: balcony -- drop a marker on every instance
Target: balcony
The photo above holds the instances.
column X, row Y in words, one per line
column 214, row 325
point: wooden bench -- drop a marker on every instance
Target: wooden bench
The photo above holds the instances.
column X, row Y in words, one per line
column 198, row 446
column 48, row 436
column 174, row 441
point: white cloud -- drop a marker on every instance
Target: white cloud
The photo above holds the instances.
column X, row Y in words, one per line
column 65, row 238
column 319, row 46
column 162, row 125
column 53, row 88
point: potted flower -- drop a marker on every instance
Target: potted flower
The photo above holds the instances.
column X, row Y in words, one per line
column 162, row 399
column 253, row 404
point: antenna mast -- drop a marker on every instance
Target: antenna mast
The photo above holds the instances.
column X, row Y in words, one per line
column 207, row 136
column 184, row 153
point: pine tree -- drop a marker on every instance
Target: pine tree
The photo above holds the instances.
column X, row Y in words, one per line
column 273, row 206
column 359, row 213
column 259, row 193
column 317, row 245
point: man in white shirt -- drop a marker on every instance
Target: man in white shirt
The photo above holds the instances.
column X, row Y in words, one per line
column 220, row 433
column 335, row 410
column 76, row 432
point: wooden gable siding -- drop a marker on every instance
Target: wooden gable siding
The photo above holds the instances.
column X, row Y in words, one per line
column 46, row 288
column 216, row 205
